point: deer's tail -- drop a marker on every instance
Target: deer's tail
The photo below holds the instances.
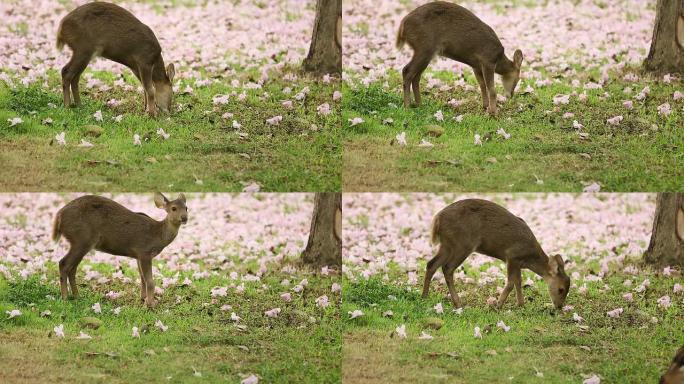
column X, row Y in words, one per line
column 56, row 231
column 60, row 39
column 434, row 233
column 401, row 39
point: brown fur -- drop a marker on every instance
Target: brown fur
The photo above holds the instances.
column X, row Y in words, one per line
column 675, row 373
column 95, row 222
column 107, row 30
column 449, row 30
column 481, row 226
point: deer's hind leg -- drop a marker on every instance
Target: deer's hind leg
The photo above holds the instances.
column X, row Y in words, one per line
column 71, row 74
column 412, row 72
column 78, row 67
column 68, row 265
column 432, row 267
column 457, row 257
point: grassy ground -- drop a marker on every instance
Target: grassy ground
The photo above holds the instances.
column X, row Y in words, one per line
column 201, row 344
column 544, row 152
column 204, row 151
column 541, row 347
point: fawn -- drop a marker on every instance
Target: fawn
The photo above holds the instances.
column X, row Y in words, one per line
column 95, row 222
column 481, row 226
column 449, row 30
column 107, row 30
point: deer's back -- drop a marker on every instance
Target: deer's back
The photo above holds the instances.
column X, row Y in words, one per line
column 107, row 30
column 451, row 31
column 485, row 226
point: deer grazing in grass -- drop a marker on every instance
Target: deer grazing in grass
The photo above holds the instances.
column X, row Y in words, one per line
column 449, row 30
column 95, row 222
column 481, row 226
column 107, row 30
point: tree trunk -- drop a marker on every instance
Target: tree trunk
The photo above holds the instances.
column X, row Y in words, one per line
column 325, row 238
column 667, row 47
column 325, row 52
column 667, row 239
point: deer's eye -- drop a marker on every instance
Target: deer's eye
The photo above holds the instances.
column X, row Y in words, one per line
column 173, row 209
column 561, row 290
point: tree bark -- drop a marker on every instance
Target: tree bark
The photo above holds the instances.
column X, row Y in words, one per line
column 325, row 238
column 325, row 51
column 667, row 46
column 667, row 239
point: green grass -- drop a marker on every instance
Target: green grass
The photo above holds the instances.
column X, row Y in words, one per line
column 626, row 349
column 544, row 153
column 203, row 153
column 301, row 345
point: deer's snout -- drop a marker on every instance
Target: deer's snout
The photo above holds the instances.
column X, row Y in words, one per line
column 184, row 219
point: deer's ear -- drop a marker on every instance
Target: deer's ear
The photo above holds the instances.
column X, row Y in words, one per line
column 518, row 58
column 181, row 197
column 554, row 266
column 557, row 264
column 160, row 200
column 171, row 72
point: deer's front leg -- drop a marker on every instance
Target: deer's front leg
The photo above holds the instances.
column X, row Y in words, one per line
column 488, row 75
column 148, row 85
column 517, row 282
column 483, row 87
column 504, row 294
column 146, row 266
column 143, row 286
column 511, row 270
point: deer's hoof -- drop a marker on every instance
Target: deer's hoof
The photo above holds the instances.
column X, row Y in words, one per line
column 492, row 112
column 151, row 303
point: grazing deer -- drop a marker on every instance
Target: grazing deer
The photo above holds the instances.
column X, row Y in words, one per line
column 107, row 30
column 675, row 374
column 481, row 226
column 449, row 30
column 95, row 222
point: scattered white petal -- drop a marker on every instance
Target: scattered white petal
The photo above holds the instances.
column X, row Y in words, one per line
column 356, row 313
column 13, row 313
column 401, row 331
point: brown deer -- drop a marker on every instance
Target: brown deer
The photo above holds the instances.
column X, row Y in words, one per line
column 107, row 30
column 675, row 374
column 95, row 222
column 449, row 30
column 481, row 226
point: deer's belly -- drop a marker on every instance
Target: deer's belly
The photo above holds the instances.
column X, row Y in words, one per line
column 113, row 249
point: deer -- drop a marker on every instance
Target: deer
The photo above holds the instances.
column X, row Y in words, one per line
column 675, row 373
column 107, row 30
column 475, row 225
column 95, row 222
column 451, row 31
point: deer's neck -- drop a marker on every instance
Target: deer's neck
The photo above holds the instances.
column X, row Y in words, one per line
column 504, row 66
column 169, row 231
column 540, row 264
column 159, row 71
